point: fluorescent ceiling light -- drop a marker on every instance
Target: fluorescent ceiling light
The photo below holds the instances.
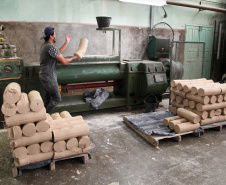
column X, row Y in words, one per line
column 147, row 2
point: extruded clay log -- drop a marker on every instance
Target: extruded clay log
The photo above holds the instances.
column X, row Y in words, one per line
column 67, row 153
column 70, row 132
column 213, row 99
column 173, row 109
column 192, row 104
column 23, row 105
column 174, row 83
column 185, row 127
column 34, row 149
column 176, row 122
column 179, row 99
column 20, row 152
column 82, row 48
column 66, row 124
column 215, row 106
column 42, row 126
column 185, row 102
column 218, row 112
column 179, row 93
column 220, row 98
column 12, row 93
column 57, row 122
column 167, row 120
column 19, row 119
column 204, row 99
column 83, row 142
column 36, row 102
column 8, row 109
column 194, row 118
column 188, row 87
column 207, row 91
column 47, row 146
column 33, row 159
column 14, row 132
column 59, row 146
column 211, row 113
column 195, row 89
column 177, row 105
column 210, row 120
column 172, row 96
column 222, row 118
column 65, row 114
column 72, row 143
column 203, row 114
column 49, row 118
column 56, row 116
column 29, row 129
column 223, row 88
column 182, row 85
column 38, row 137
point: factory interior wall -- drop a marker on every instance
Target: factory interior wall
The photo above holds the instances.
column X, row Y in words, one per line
column 25, row 20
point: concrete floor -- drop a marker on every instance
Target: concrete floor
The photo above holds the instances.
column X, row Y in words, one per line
column 120, row 156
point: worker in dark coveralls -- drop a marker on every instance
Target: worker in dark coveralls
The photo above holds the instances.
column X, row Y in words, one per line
column 49, row 54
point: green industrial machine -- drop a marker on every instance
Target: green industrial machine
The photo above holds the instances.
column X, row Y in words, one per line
column 132, row 80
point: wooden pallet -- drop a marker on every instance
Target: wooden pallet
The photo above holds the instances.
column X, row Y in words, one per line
column 17, row 171
column 154, row 139
column 216, row 126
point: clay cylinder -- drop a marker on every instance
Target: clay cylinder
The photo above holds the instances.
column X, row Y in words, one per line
column 209, row 120
column 207, row 91
column 179, row 99
column 192, row 104
column 179, row 93
column 20, row 152
column 173, row 109
column 33, row 149
column 174, row 83
column 185, row 127
column 67, row 153
column 194, row 118
column 188, row 87
column 29, row 129
column 49, row 118
column 185, row 102
column 82, row 48
column 204, row 100
column 56, row 116
column 177, row 105
column 42, row 126
column 65, row 114
column 38, row 137
column 176, row 122
column 23, row 105
column 33, row 159
column 66, row 124
column 213, row 99
column 203, row 114
column 211, row 113
column 47, row 146
column 36, row 102
column 14, row 132
column 64, row 120
column 72, row 143
column 8, row 109
column 201, row 107
column 167, row 120
column 70, row 132
column 220, row 98
column 83, row 142
column 223, row 88
column 218, row 112
column 172, row 96
column 12, row 93
column 59, row 146
column 19, row 119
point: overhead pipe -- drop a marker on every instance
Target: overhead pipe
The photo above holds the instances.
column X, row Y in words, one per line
column 169, row 2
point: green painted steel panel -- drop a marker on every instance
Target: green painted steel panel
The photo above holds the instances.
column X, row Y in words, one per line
column 193, row 67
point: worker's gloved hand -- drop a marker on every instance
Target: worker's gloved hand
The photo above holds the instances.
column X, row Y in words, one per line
column 68, row 38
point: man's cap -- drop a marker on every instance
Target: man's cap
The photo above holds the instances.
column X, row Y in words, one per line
column 47, row 31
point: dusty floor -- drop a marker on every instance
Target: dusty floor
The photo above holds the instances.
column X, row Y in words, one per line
column 120, row 156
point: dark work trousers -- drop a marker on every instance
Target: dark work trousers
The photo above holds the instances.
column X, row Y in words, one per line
column 52, row 97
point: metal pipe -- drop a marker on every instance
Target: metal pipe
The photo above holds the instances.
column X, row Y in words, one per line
column 169, row 2
column 219, row 41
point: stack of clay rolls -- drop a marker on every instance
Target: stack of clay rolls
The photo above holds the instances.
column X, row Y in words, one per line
column 82, row 48
column 70, row 134
column 184, row 122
